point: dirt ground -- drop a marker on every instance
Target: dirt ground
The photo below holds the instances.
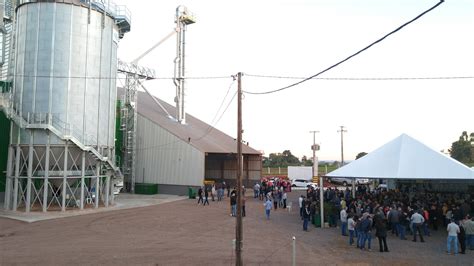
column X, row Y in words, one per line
column 183, row 233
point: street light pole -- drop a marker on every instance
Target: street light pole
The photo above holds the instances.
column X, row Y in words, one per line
column 321, row 180
column 342, row 158
column 314, row 148
column 342, row 144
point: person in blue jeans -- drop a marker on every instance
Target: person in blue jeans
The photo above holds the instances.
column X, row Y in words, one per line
column 365, row 228
column 403, row 224
column 343, row 217
column 306, row 215
column 453, row 230
column 268, row 207
column 469, row 231
column 357, row 231
column 351, row 227
column 233, row 203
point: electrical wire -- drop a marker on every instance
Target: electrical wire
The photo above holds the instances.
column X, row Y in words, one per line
column 210, row 128
column 361, row 78
column 117, row 77
column 349, row 57
column 223, row 100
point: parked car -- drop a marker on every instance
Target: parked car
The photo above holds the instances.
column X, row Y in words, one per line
column 348, row 181
column 302, row 183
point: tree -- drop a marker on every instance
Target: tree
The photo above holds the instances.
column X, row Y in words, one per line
column 361, row 154
column 306, row 162
column 462, row 149
column 283, row 159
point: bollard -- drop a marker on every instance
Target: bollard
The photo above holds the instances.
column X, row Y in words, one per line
column 294, row 252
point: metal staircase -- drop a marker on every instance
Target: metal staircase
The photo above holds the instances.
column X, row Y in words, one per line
column 63, row 130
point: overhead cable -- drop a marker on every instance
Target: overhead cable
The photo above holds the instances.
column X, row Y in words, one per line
column 349, row 57
column 361, row 78
column 117, row 77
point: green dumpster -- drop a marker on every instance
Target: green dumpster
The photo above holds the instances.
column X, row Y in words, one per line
column 146, row 189
column 317, row 220
column 191, row 193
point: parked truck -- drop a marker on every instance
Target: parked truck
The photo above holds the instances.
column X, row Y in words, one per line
column 300, row 172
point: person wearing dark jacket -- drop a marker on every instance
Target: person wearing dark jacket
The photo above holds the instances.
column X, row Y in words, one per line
column 306, row 215
column 381, row 231
column 366, row 228
column 404, row 223
column 206, row 197
column 200, row 199
column 462, row 237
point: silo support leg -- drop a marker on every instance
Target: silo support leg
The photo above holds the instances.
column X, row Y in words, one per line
column 46, row 176
column 65, row 170
column 8, row 191
column 17, row 175
column 107, row 190
column 97, row 185
column 30, row 174
column 83, row 172
column 8, row 188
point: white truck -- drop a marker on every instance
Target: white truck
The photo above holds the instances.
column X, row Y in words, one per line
column 300, row 172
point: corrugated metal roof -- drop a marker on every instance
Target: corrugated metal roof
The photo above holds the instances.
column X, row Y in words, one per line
column 198, row 133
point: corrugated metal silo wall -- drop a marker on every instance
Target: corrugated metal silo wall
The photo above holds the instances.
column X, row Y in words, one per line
column 4, row 141
column 162, row 158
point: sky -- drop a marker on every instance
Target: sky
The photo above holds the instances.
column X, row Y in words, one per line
column 299, row 38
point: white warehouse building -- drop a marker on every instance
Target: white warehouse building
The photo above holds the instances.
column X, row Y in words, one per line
column 176, row 156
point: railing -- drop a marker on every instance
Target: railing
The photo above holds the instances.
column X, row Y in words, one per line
column 52, row 122
column 61, row 129
column 110, row 8
column 123, row 12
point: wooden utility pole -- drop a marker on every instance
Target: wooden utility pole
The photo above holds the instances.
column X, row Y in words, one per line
column 238, row 228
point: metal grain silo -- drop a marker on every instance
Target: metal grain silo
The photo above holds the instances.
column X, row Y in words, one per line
column 63, row 104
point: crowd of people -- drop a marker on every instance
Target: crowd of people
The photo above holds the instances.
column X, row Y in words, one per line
column 402, row 211
column 372, row 213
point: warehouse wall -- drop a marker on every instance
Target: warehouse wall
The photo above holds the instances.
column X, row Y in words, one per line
column 164, row 159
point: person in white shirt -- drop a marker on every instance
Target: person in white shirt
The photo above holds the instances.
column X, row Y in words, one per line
column 351, row 227
column 453, row 230
column 417, row 220
column 343, row 216
column 300, row 203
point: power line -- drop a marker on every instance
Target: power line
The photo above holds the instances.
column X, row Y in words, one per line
column 223, row 100
column 117, row 77
column 361, row 78
column 351, row 56
column 211, row 128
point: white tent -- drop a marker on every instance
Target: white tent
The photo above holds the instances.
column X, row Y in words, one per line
column 405, row 158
